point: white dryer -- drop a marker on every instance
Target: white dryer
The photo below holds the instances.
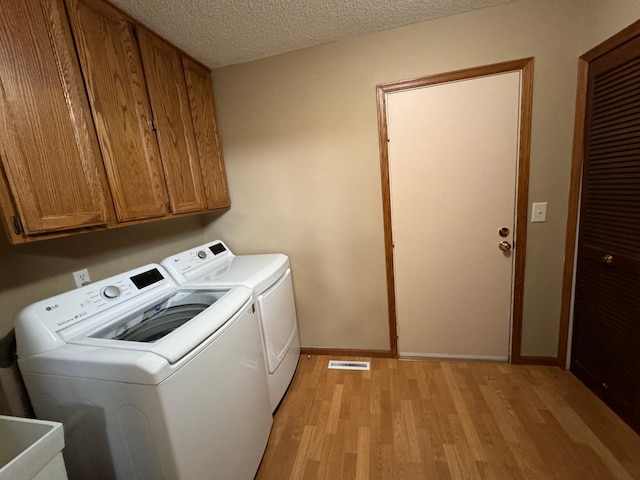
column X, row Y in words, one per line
column 151, row 380
column 213, row 265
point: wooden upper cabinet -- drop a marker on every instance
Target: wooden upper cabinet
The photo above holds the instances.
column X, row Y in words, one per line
column 50, row 154
column 115, row 82
column 102, row 123
column 170, row 105
column 200, row 89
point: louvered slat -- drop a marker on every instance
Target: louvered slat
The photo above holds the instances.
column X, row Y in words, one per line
column 606, row 326
column 606, row 335
column 611, row 187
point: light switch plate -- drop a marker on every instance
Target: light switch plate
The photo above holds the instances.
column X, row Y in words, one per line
column 539, row 212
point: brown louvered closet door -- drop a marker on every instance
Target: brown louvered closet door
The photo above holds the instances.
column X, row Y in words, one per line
column 606, row 332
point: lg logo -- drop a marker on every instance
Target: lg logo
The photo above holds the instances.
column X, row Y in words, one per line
column 52, row 307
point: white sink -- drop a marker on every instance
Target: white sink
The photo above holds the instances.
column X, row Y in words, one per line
column 31, row 449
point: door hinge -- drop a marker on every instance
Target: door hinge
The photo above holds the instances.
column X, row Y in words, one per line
column 17, row 224
column 153, row 124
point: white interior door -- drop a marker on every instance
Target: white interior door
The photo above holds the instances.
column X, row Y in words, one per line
column 453, row 154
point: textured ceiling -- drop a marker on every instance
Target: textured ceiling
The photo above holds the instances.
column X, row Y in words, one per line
column 225, row 32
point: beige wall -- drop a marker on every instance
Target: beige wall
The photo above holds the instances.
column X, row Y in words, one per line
column 39, row 270
column 300, row 138
column 604, row 18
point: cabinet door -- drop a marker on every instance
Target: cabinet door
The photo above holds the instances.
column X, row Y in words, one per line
column 200, row 91
column 170, row 104
column 48, row 144
column 115, row 82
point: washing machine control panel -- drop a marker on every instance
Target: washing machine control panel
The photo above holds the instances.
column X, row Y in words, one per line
column 78, row 305
column 111, row 292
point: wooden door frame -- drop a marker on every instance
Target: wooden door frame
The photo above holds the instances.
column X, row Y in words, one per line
column 575, row 185
column 525, row 66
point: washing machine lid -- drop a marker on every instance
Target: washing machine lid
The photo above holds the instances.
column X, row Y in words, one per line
column 148, row 325
column 85, row 316
column 201, row 267
column 171, row 326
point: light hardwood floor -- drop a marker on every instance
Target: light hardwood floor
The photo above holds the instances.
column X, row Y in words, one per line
column 445, row 420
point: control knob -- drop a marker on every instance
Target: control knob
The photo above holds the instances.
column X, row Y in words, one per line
column 202, row 254
column 111, row 292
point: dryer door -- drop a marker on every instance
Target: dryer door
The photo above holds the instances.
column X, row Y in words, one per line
column 278, row 315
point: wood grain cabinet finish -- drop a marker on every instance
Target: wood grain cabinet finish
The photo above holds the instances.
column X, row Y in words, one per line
column 203, row 110
column 115, row 81
column 52, row 173
column 172, row 114
column 102, row 123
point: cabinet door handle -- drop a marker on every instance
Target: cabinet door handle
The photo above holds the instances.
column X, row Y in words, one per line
column 17, row 224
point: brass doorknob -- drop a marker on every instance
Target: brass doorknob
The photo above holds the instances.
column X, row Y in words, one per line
column 504, row 246
column 607, row 258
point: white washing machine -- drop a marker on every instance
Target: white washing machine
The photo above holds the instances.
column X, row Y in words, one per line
column 151, row 380
column 213, row 265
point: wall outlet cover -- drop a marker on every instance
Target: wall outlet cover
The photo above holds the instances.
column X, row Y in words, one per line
column 81, row 277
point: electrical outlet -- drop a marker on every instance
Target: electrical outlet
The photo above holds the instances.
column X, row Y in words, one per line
column 81, row 277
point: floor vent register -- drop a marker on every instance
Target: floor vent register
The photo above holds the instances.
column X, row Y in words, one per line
column 345, row 365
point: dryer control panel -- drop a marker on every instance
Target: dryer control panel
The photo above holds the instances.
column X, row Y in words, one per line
column 187, row 264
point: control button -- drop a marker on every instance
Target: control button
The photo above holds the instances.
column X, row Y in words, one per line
column 111, row 292
column 202, row 254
